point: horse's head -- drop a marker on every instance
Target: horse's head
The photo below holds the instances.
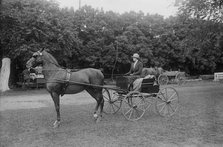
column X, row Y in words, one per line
column 35, row 60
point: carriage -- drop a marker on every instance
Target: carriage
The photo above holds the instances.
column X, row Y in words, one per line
column 178, row 77
column 135, row 103
column 60, row 81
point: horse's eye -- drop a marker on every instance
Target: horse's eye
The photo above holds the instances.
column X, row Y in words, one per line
column 34, row 56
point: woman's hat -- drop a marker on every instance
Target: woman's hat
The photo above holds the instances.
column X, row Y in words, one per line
column 135, row 56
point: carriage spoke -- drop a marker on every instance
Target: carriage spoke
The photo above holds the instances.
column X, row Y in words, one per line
column 110, row 108
column 171, row 108
column 138, row 112
column 133, row 106
column 130, row 113
column 139, row 109
column 148, row 106
column 106, row 98
column 143, row 106
column 134, row 113
column 161, row 104
column 112, row 105
column 162, row 98
column 115, row 105
column 168, row 109
column 113, row 108
column 173, row 99
column 140, row 103
column 172, row 96
column 162, row 108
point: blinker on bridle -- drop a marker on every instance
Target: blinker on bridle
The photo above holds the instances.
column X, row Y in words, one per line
column 39, row 54
column 34, row 56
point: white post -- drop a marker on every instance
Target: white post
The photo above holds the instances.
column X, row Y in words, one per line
column 218, row 76
column 4, row 74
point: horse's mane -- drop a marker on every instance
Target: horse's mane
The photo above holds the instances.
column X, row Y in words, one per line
column 50, row 57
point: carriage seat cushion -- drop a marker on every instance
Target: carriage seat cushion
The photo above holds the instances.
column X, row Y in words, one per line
column 148, row 81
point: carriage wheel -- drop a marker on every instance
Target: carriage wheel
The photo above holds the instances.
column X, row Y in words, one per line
column 112, row 101
column 167, row 101
column 163, row 79
column 180, row 78
column 133, row 106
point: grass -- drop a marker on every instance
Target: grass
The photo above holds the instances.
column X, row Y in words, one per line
column 199, row 121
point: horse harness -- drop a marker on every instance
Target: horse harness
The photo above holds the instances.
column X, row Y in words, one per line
column 67, row 80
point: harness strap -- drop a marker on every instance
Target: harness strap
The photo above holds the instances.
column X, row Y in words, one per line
column 68, row 73
column 67, row 80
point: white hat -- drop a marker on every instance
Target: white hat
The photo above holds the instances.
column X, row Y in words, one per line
column 135, row 56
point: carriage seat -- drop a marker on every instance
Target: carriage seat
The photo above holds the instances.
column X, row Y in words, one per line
column 124, row 82
column 149, row 85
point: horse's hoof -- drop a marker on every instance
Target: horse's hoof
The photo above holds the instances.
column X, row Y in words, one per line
column 95, row 116
column 56, row 124
column 98, row 119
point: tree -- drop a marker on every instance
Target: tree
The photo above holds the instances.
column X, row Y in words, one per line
column 202, row 9
column 91, row 37
column 202, row 21
column 29, row 25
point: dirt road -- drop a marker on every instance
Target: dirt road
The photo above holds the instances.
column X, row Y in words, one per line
column 40, row 98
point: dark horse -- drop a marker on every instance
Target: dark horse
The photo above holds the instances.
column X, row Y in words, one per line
column 60, row 81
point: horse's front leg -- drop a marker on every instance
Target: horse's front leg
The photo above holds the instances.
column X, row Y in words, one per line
column 101, row 109
column 56, row 100
column 100, row 103
column 95, row 115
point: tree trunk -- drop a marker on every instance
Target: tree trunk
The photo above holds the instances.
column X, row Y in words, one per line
column 4, row 75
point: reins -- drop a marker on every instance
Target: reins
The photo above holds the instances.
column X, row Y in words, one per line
column 84, row 84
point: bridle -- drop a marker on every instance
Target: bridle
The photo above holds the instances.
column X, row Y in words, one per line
column 40, row 54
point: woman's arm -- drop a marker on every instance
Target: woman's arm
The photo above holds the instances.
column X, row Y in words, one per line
column 130, row 71
column 139, row 71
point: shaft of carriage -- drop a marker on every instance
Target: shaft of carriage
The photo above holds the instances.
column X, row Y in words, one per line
column 134, row 103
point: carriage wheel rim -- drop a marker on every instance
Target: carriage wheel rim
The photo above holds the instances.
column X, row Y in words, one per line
column 163, row 80
column 169, row 106
column 133, row 112
column 111, row 106
column 180, row 78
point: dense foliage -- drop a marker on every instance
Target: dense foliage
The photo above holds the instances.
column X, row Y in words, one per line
column 190, row 41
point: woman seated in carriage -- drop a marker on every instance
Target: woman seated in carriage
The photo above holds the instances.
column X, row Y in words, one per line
column 136, row 66
column 135, row 73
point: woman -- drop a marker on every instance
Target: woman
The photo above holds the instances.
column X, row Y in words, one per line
column 135, row 70
column 136, row 66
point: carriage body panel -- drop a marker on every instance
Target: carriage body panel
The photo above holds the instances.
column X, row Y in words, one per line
column 148, row 85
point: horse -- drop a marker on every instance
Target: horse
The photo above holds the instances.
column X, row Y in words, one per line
column 152, row 71
column 60, row 81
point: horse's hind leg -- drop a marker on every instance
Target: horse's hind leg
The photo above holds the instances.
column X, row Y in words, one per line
column 97, row 94
column 56, row 100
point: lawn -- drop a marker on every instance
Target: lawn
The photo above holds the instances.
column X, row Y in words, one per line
column 199, row 121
